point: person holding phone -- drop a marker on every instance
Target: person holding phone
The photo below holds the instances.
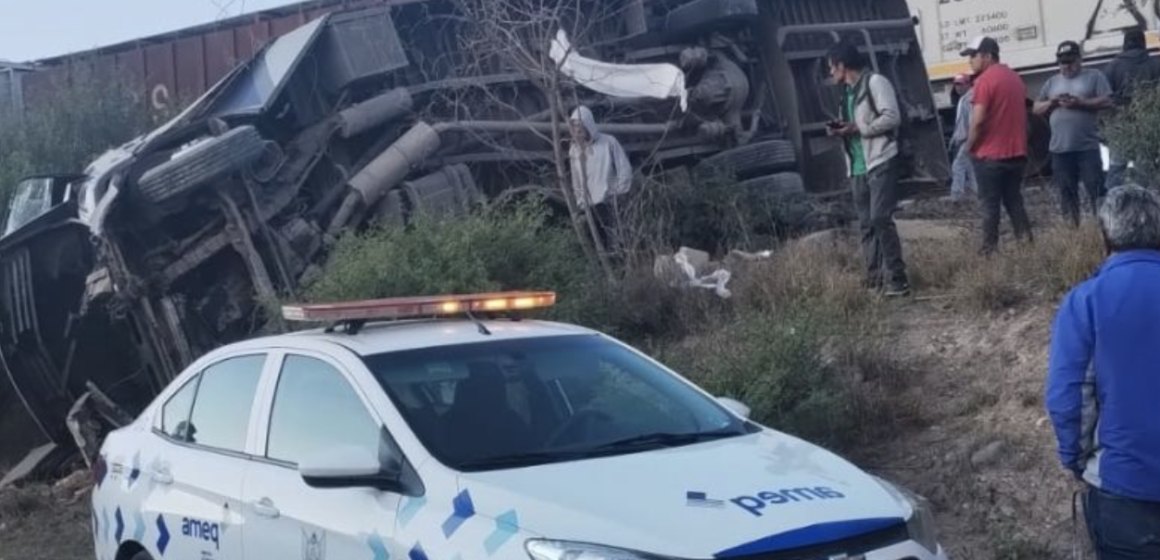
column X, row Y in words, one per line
column 1073, row 99
column 868, row 124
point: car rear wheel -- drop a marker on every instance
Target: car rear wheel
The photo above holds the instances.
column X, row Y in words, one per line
column 209, row 161
column 142, row 555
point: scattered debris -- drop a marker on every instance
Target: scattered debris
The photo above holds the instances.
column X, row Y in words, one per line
column 690, row 268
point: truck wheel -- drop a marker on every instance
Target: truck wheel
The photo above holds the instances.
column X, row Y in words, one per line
column 751, row 160
column 777, row 185
column 209, row 161
column 701, row 16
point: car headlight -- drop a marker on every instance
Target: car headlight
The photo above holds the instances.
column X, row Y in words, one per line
column 920, row 526
column 542, row 549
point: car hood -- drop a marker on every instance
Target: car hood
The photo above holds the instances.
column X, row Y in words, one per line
column 745, row 495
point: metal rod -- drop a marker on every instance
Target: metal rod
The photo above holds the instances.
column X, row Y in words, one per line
column 833, row 28
column 525, row 126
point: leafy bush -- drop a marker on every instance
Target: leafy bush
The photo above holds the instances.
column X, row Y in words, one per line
column 1134, row 132
column 776, row 366
column 495, row 249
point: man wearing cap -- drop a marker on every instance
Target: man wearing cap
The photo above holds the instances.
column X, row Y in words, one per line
column 997, row 141
column 1073, row 98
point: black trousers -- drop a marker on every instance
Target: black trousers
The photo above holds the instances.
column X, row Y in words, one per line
column 875, row 198
column 1001, row 186
column 1071, row 168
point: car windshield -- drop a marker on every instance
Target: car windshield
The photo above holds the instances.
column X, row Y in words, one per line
column 515, row 403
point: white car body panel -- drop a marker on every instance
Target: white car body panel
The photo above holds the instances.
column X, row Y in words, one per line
column 726, row 498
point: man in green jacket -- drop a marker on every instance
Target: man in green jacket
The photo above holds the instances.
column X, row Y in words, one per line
column 869, row 123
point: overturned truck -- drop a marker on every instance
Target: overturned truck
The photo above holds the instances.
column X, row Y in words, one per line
column 168, row 246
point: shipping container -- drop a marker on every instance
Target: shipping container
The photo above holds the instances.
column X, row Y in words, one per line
column 172, row 69
column 1028, row 32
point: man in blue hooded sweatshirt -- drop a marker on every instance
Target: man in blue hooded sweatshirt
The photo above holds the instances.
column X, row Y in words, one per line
column 1103, row 384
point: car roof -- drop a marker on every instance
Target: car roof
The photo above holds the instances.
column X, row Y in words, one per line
column 382, row 337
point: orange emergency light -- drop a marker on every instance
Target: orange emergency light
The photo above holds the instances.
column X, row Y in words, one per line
column 415, row 307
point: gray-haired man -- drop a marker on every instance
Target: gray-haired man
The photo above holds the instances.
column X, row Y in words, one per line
column 1104, row 376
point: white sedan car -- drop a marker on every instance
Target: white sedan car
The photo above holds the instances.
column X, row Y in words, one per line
column 473, row 439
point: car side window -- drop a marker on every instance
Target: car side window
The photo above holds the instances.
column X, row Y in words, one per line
column 223, row 402
column 316, row 410
column 175, row 412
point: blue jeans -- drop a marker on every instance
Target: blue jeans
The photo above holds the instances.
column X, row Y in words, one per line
column 1122, row 528
column 1071, row 168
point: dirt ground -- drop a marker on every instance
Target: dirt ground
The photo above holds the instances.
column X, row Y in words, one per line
column 982, row 451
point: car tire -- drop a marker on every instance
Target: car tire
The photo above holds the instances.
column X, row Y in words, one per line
column 751, row 160
column 702, row 16
column 211, row 160
column 141, row 555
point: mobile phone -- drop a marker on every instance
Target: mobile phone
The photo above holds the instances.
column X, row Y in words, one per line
column 835, row 124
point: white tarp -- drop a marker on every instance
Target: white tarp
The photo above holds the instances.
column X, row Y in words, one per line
column 658, row 81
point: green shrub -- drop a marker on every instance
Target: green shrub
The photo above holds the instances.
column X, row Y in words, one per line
column 773, row 364
column 1134, row 132
column 504, row 248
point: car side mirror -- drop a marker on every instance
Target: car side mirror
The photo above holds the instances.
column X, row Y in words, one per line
column 351, row 467
column 735, row 406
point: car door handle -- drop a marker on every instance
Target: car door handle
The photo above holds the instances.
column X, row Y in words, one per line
column 265, row 508
column 161, row 476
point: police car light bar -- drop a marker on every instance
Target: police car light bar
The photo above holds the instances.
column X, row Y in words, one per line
column 414, row 307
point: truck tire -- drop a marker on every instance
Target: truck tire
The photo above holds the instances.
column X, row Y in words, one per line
column 701, row 16
column 780, row 197
column 211, row 160
column 777, row 185
column 751, row 160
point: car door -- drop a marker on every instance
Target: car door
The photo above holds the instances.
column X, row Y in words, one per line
column 196, row 468
column 314, row 407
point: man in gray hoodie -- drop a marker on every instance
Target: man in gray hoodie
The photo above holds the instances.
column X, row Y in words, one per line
column 1131, row 69
column 869, row 123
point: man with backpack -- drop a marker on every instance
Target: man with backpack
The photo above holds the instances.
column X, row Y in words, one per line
column 868, row 125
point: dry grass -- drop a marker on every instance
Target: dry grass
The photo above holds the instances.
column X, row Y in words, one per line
column 802, row 342
column 20, row 502
column 1060, row 258
column 820, row 271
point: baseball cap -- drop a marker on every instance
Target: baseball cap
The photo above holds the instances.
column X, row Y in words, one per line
column 981, row 44
column 1068, row 51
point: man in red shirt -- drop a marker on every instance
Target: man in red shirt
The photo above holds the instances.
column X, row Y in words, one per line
column 997, row 141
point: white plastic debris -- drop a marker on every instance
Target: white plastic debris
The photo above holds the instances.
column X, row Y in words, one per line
column 683, row 270
column 658, row 81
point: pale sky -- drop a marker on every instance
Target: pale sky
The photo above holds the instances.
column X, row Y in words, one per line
column 34, row 29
